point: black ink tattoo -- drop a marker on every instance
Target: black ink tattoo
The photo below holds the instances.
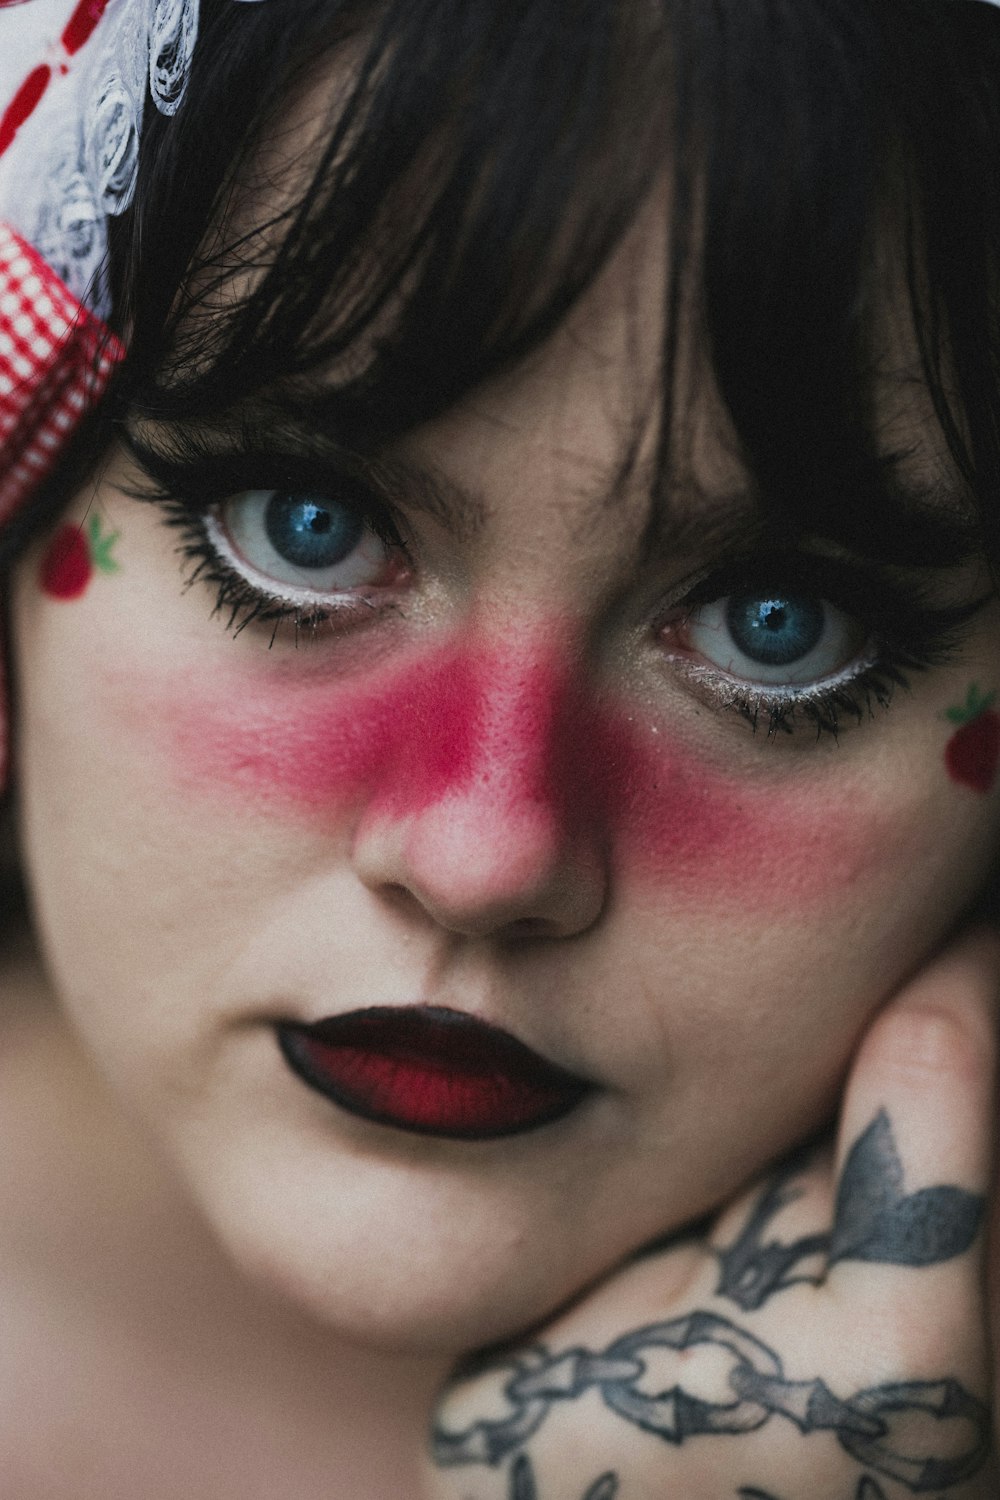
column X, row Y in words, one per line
column 869, row 1490
column 751, row 1271
column 863, row 1425
column 875, row 1220
column 524, row 1487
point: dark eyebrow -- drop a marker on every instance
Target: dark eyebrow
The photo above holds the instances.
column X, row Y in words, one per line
column 683, row 520
column 690, row 523
column 306, row 420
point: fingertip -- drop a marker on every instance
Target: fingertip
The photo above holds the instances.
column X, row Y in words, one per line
column 928, row 1043
column 945, row 1020
column 928, row 1064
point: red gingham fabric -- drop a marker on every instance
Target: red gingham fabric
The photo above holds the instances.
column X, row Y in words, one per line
column 55, row 361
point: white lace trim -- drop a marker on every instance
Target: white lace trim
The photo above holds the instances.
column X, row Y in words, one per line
column 74, row 163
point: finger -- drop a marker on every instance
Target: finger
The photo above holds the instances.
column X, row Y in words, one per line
column 776, row 1235
column 915, row 1144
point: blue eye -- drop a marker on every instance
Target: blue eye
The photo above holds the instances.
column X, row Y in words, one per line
column 311, row 531
column 774, row 639
column 309, row 545
column 775, row 631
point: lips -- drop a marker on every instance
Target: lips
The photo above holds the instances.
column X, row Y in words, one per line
column 431, row 1071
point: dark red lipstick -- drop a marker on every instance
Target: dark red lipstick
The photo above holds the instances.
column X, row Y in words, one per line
column 431, row 1071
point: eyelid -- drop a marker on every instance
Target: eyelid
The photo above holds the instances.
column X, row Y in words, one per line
column 200, row 479
column 841, row 582
column 893, row 608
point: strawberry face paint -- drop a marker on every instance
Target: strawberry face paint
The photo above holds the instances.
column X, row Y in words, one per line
column 972, row 755
column 514, row 742
column 74, row 554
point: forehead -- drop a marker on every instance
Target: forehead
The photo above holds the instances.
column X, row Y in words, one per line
column 569, row 448
column 619, row 446
column 591, row 419
column 568, row 445
column 564, row 448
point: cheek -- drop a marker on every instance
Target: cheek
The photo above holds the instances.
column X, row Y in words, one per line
column 523, row 741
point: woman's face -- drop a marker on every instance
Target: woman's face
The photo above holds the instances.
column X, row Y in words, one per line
column 509, row 779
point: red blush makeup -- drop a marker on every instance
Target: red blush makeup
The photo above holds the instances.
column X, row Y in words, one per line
column 520, row 737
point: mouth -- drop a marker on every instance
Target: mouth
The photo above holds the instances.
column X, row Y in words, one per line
column 431, row 1071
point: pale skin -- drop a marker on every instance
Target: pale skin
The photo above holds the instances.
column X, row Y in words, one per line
column 322, row 1275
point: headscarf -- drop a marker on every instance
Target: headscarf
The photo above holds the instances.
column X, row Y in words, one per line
column 75, row 77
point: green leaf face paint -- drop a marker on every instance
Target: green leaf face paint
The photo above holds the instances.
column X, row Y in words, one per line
column 972, row 755
column 101, row 546
column 74, row 555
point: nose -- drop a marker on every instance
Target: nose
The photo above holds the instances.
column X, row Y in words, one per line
column 487, row 813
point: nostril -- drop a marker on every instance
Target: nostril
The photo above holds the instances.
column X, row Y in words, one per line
column 397, row 896
column 512, row 869
column 528, row 927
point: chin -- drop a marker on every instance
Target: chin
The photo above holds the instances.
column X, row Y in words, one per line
column 389, row 1255
column 393, row 1298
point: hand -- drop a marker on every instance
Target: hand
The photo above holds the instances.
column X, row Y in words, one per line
column 826, row 1340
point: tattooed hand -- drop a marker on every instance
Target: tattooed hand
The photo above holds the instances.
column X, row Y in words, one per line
column 827, row 1340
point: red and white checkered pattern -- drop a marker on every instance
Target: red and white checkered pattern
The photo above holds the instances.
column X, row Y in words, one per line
column 55, row 361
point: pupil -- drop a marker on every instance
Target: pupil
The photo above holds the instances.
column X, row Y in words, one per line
column 311, row 532
column 775, row 631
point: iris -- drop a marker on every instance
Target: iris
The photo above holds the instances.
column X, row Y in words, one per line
column 312, row 531
column 775, row 631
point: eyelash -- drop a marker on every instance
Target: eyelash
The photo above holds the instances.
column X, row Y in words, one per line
column 910, row 634
column 186, row 488
column 245, row 602
column 855, row 698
